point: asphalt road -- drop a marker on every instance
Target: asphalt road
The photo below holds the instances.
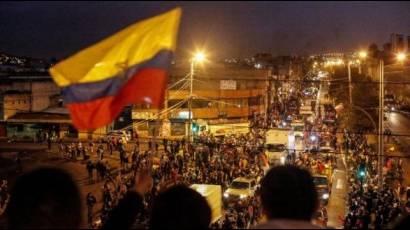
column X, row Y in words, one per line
column 399, row 124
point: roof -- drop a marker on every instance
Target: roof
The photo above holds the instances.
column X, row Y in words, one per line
column 10, row 92
column 217, row 71
column 24, row 78
column 57, row 110
column 39, row 117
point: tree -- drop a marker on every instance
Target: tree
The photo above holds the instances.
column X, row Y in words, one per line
column 351, row 118
column 373, row 50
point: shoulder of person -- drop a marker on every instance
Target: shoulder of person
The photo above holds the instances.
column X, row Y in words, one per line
column 286, row 224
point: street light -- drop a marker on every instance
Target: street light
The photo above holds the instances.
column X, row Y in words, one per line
column 197, row 58
column 363, row 54
column 401, row 57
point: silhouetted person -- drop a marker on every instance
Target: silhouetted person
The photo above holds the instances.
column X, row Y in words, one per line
column 402, row 223
column 180, row 208
column 44, row 198
column 289, row 198
column 90, row 169
column 125, row 213
column 19, row 168
column 91, row 201
column 49, row 142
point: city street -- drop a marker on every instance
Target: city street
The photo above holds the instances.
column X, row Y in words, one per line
column 265, row 115
column 399, row 124
column 37, row 155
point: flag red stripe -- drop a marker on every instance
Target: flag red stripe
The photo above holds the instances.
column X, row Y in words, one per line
column 147, row 85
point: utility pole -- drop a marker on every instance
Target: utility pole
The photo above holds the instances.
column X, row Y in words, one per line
column 31, row 97
column 350, row 82
column 190, row 102
column 360, row 68
column 267, row 98
column 381, row 123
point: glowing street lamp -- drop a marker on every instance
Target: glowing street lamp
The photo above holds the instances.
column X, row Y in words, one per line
column 199, row 57
column 363, row 54
column 401, row 57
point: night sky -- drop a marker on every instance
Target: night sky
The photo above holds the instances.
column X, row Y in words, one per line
column 224, row 29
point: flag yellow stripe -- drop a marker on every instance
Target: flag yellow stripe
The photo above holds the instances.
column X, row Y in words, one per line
column 108, row 58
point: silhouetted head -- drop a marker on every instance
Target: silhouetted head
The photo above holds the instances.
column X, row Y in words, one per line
column 180, row 208
column 288, row 192
column 44, row 198
column 401, row 223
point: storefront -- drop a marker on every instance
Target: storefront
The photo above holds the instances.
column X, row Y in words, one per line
column 33, row 126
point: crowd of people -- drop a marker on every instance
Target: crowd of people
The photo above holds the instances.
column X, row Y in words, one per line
column 369, row 204
column 284, row 205
column 83, row 151
column 211, row 160
column 151, row 189
column 4, row 195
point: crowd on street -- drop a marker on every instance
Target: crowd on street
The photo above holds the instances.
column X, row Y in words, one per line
column 218, row 160
column 369, row 204
column 4, row 195
column 211, row 160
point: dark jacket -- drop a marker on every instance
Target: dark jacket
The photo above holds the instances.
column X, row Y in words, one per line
column 125, row 213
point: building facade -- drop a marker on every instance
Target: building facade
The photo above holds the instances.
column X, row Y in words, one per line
column 221, row 95
column 30, row 104
column 14, row 101
column 398, row 43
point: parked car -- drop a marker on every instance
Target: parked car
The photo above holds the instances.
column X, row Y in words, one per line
column 323, row 187
column 240, row 189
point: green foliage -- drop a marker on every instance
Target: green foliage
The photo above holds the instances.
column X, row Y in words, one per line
column 365, row 94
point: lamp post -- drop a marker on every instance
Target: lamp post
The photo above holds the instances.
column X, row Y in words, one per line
column 362, row 55
column 400, row 57
column 198, row 57
column 381, row 122
column 350, row 82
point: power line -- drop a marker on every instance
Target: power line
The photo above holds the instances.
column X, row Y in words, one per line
column 179, row 81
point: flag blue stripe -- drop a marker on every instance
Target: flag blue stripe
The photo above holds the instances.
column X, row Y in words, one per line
column 84, row 92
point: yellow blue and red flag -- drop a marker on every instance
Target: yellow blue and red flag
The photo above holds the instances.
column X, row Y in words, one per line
column 128, row 67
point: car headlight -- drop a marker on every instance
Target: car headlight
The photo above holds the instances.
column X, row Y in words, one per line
column 282, row 160
column 242, row 196
column 226, row 195
column 325, row 196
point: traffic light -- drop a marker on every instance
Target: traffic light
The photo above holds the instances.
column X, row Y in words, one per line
column 361, row 171
column 195, row 128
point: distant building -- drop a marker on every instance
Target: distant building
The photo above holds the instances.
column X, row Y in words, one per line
column 223, row 95
column 387, row 48
column 408, row 43
column 398, row 43
column 23, row 93
column 28, row 125
column 13, row 102
column 30, row 103
column 38, row 91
